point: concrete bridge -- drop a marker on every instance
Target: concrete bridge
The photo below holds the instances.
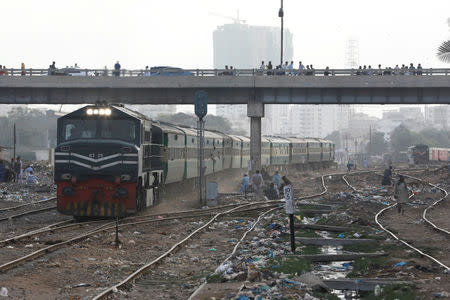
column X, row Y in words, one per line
column 252, row 87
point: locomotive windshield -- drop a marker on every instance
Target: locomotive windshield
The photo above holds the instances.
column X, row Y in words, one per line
column 125, row 130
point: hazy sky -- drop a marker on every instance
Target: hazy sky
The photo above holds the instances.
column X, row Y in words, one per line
column 95, row 33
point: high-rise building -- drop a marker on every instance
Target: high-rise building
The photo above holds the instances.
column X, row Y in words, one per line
column 153, row 111
column 244, row 47
column 438, row 116
column 237, row 114
column 318, row 120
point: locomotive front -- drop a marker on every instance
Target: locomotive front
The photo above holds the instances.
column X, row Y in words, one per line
column 97, row 162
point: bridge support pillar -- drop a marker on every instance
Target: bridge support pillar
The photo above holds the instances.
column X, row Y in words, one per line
column 255, row 110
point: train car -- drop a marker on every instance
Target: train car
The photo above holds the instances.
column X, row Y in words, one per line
column 279, row 151
column 191, row 153
column 227, row 149
column 265, row 152
column 213, row 145
column 314, row 151
column 103, row 162
column 439, row 154
column 174, row 161
column 236, row 150
column 298, row 151
column 245, row 151
column 325, row 150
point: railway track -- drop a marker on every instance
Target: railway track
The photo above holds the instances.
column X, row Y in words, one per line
column 110, row 226
column 138, row 273
column 29, row 212
column 395, row 236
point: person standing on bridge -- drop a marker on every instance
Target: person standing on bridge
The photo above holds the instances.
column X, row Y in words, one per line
column 117, row 69
column 257, row 183
column 301, row 67
column 291, row 68
column 401, row 194
column 22, row 69
column 269, row 68
column 262, row 67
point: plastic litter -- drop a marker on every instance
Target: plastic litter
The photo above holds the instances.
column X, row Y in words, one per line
column 356, row 235
column 4, row 292
column 377, row 290
column 399, row 264
column 341, row 235
column 212, row 249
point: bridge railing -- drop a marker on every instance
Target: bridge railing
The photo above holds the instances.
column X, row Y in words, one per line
column 221, row 72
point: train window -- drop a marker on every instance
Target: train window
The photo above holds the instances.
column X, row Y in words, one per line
column 207, row 141
column 147, row 135
column 175, row 137
column 192, row 140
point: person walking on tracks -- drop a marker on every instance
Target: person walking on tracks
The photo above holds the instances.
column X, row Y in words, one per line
column 401, row 194
column 387, row 175
column 257, row 183
column 244, row 184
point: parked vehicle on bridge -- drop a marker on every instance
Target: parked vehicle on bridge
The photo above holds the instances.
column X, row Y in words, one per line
column 111, row 161
column 169, row 71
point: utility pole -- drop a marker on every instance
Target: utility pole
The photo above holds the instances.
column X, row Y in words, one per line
column 15, row 140
column 281, row 15
column 370, row 140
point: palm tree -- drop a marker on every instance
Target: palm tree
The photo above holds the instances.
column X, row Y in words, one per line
column 444, row 49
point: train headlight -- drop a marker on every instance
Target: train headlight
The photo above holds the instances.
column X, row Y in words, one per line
column 95, row 111
column 90, row 111
column 107, row 112
column 101, row 111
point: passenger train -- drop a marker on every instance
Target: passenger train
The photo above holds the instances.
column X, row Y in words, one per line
column 111, row 161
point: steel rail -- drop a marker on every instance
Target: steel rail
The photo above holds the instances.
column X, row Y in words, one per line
column 105, row 227
column 144, row 268
column 26, row 204
column 234, row 249
column 424, row 214
column 28, row 213
column 447, row 268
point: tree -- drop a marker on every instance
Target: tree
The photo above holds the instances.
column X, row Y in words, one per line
column 444, row 49
column 402, row 138
column 211, row 122
column 378, row 146
column 335, row 137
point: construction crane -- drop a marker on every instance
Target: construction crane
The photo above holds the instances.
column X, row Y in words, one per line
column 235, row 20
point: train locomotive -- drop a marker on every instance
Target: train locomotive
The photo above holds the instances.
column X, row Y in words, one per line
column 111, row 161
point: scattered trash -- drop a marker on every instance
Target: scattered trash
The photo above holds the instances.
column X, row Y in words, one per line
column 91, row 259
column 29, row 246
column 356, row 235
column 341, row 235
column 81, row 285
column 212, row 249
column 399, row 264
column 377, row 291
column 4, row 292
